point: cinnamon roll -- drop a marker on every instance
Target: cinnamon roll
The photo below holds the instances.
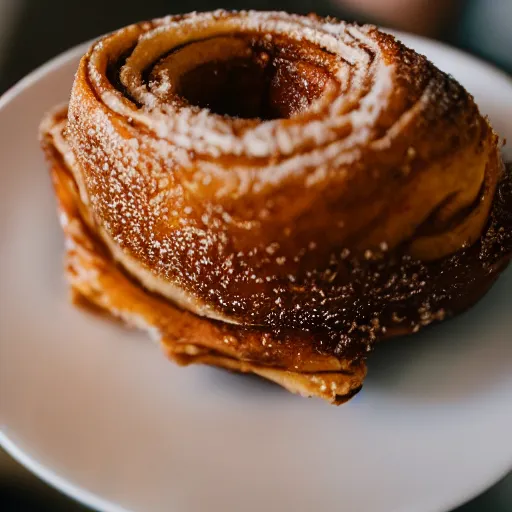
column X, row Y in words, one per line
column 274, row 194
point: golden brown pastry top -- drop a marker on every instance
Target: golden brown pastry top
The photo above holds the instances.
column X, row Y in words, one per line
column 244, row 164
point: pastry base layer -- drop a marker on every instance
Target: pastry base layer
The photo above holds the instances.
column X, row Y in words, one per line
column 98, row 283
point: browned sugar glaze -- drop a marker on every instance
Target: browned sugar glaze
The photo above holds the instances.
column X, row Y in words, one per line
column 300, row 220
column 450, row 286
column 393, row 294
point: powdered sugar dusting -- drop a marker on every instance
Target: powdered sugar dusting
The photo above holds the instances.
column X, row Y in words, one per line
column 231, row 216
column 193, row 129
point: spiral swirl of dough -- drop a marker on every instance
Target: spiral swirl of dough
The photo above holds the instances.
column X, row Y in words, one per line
column 235, row 162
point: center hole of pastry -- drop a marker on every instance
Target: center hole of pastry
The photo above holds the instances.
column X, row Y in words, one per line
column 245, row 77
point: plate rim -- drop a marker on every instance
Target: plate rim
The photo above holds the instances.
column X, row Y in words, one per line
column 50, row 477
column 94, row 501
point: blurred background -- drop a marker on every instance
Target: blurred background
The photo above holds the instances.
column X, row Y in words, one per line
column 33, row 31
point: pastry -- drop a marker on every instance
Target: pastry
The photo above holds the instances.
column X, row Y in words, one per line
column 273, row 193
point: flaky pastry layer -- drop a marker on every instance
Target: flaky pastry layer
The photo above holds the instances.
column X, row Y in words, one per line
column 97, row 280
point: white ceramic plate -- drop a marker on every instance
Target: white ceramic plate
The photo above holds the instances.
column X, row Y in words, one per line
column 98, row 412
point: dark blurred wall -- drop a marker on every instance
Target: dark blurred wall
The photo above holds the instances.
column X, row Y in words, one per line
column 45, row 28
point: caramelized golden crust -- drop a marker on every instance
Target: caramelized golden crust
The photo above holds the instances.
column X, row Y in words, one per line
column 339, row 140
column 97, row 281
column 274, row 194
